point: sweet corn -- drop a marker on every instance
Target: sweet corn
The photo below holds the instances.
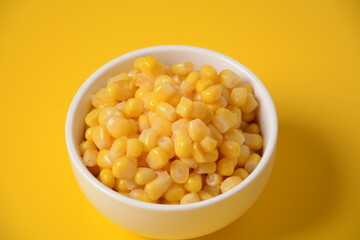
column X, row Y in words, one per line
column 166, row 111
column 120, row 91
column 253, row 128
column 152, row 102
column 203, row 84
column 157, row 158
column 198, row 153
column 124, row 168
column 143, row 122
column 162, row 126
column 190, row 162
column 88, row 133
column 120, row 77
column 225, row 167
column 214, row 179
column 139, row 194
column 221, row 103
column 244, row 155
column 182, row 69
column 209, row 116
column 197, row 130
column 204, row 195
column 151, row 115
column 90, row 156
column 229, row 183
column 238, row 115
column 118, row 126
column 85, row 146
column 164, row 91
column 229, row 79
column 208, row 144
column 107, row 178
column 248, row 117
column 230, row 149
column 167, row 144
column 162, row 79
column 208, row 72
column 213, row 190
column 148, row 138
column 190, row 81
column 205, row 168
column 241, row 172
column 101, row 137
column 157, row 187
column 190, row 198
column 215, row 134
column 250, row 104
column 252, row 162
column 179, row 172
column 182, row 123
column 194, row 183
column 101, row 99
column 199, row 110
column 224, row 120
column 107, row 112
column 124, row 185
column 243, row 125
column 133, row 148
column 144, row 175
column 134, row 107
column 225, row 93
column 185, row 107
column 144, row 90
column 211, row 94
column 174, row 193
column 238, row 97
column 197, row 96
column 245, row 85
column 91, row 118
column 182, row 144
column 253, row 141
column 175, row 99
column 151, row 67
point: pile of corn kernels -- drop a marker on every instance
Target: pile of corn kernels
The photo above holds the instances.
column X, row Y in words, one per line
column 172, row 135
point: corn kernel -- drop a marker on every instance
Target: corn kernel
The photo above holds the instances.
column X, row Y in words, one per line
column 252, row 162
column 162, row 126
column 209, row 167
column 221, row 103
column 88, row 133
column 118, row 126
column 243, row 125
column 194, row 183
column 213, row 190
column 190, row 198
column 143, row 122
column 91, row 118
column 151, row 115
column 229, row 183
column 250, row 104
column 197, row 96
column 157, row 158
column 90, row 156
column 144, row 175
column 253, row 128
column 139, row 194
column 238, row 115
column 157, row 187
column 107, row 112
column 121, row 90
column 224, row 120
column 124, row 168
column 190, row 162
column 174, row 193
column 162, row 79
column 134, row 107
column 209, row 116
column 182, row 123
column 225, row 93
column 143, row 91
column 215, row 134
column 244, row 155
column 208, row 72
column 229, row 79
column 204, row 195
column 238, row 97
column 225, row 167
column 198, row 153
column 241, row 172
column 253, row 141
column 197, row 130
column 199, row 110
column 230, row 149
column 107, row 178
column 214, row 179
column 182, row 69
column 101, row 137
column 203, row 84
column 85, row 146
column 166, row 111
column 152, row 102
column 148, row 138
column 101, row 99
column 120, row 77
column 175, row 99
column 151, row 67
column 190, row 82
column 179, row 171
column 248, row 117
column 167, row 144
column 211, row 94
column 245, row 85
column 133, row 148
column 164, row 91
column 137, row 63
column 208, row 144
column 182, row 144
column 235, row 135
column 124, row 185
column 185, row 107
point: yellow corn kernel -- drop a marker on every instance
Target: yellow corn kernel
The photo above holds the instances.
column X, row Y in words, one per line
column 211, row 94
column 190, row 162
column 124, row 185
column 203, row 84
column 166, row 111
column 194, row 183
column 225, row 93
column 139, row 194
column 88, row 133
column 208, row 72
column 162, row 79
column 175, row 99
column 213, row 190
column 90, row 156
column 121, row 108
column 120, row 77
column 140, row 78
column 162, row 126
column 203, row 168
column 174, row 193
column 157, row 158
column 164, row 91
column 198, row 153
column 238, row 115
column 167, row 144
column 85, row 146
column 107, row 178
column 250, row 104
column 182, row 123
column 197, row 130
column 214, row 179
column 248, row 117
column 144, row 175
column 143, row 122
column 185, row 107
column 230, row 149
column 208, row 144
column 238, row 97
column 133, row 126
column 245, row 85
column 190, row 198
column 152, row 102
column 199, row 110
column 118, row 148
column 229, row 79
column 204, row 195
column 144, row 90
column 134, row 107
column 229, row 183
column 148, row 138
column 235, row 135
column 215, row 134
column 253, row 141
column 101, row 137
column 241, row 172
column 209, row 116
column 91, row 118
column 182, row 69
column 137, row 63
column 224, row 120
column 101, row 99
column 252, row 162
column 107, row 112
column 182, row 144
column 185, row 90
column 157, row 187
column 120, row 90
column 118, row 126
column 151, row 67
column 225, row 167
column 133, row 148
column 221, row 103
column 94, row 170
column 196, row 96
column 151, row 115
column 253, row 128
column 179, row 171
column 190, row 82
column 244, row 155
column 124, row 168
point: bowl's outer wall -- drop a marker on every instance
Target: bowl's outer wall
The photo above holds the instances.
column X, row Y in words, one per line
column 179, row 224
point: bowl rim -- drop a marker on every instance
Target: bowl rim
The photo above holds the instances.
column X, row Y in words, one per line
column 78, row 164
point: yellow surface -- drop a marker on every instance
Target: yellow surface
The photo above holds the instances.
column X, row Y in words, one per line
column 306, row 52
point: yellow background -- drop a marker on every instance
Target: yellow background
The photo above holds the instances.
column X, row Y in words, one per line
column 306, row 52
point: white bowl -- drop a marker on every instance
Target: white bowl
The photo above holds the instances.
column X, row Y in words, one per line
column 171, row 221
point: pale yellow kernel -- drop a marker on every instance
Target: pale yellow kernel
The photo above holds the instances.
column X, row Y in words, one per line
column 253, row 141
column 208, row 72
column 157, row 158
column 252, row 162
column 197, row 130
column 208, row 144
column 225, row 167
column 124, row 168
column 229, row 183
column 191, row 197
column 179, row 171
column 182, row 69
